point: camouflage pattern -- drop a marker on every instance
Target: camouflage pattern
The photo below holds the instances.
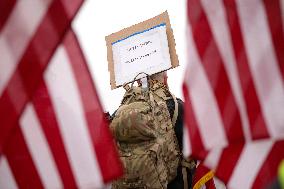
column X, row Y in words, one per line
column 146, row 139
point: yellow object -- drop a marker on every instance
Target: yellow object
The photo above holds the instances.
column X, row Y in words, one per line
column 281, row 174
column 203, row 180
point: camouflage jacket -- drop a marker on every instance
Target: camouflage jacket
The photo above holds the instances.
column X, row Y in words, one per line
column 177, row 183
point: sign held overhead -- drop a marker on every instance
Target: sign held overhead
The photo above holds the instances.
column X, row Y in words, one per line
column 147, row 47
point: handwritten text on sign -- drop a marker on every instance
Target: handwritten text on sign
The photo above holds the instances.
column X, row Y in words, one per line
column 146, row 51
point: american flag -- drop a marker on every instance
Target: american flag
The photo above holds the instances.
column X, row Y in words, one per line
column 53, row 130
column 203, row 177
column 234, row 90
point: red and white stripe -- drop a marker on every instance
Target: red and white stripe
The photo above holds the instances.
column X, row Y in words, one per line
column 233, row 86
column 249, row 165
column 29, row 34
column 53, row 130
column 62, row 140
column 16, row 34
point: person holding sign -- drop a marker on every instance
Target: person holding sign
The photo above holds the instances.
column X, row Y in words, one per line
column 148, row 130
column 148, row 124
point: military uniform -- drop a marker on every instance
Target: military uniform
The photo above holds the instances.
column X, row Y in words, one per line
column 178, row 182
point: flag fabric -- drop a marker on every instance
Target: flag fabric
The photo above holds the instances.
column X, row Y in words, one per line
column 203, row 178
column 30, row 31
column 234, row 89
column 62, row 138
column 53, row 130
column 249, row 165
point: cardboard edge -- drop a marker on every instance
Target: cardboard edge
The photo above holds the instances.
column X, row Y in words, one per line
column 161, row 18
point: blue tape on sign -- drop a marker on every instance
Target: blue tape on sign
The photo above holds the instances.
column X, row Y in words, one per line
column 163, row 24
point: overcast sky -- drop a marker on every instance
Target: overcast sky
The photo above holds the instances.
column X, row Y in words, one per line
column 98, row 19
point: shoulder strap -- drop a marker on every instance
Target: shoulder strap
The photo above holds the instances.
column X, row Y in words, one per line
column 174, row 120
column 190, row 164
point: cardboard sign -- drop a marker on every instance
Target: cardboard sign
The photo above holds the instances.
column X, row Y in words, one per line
column 147, row 47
